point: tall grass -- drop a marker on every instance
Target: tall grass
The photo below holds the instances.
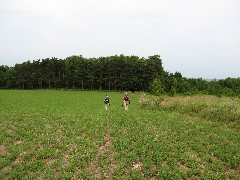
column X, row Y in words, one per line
column 209, row 107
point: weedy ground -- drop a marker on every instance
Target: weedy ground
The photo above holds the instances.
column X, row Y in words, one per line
column 70, row 135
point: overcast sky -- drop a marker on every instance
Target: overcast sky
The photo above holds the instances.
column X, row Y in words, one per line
column 199, row 38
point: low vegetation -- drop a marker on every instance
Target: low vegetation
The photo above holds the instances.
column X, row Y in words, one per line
column 69, row 135
column 208, row 107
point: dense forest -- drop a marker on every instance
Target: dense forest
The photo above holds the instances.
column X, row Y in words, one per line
column 110, row 73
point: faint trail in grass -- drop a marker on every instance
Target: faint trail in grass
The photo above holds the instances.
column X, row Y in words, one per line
column 66, row 153
column 94, row 168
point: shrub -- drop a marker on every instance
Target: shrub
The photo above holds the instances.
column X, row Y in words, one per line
column 172, row 92
column 157, row 87
column 227, row 92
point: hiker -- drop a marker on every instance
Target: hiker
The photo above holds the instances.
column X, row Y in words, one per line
column 107, row 102
column 126, row 101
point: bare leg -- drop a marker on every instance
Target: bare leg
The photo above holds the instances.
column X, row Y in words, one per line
column 125, row 105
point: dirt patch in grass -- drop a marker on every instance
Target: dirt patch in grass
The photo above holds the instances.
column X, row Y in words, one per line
column 230, row 172
column 17, row 142
column 6, row 168
column 106, row 148
column 10, row 132
column 238, row 171
column 81, row 136
column 18, row 160
column 3, row 151
column 153, row 178
column 70, row 148
column 182, row 167
column 49, row 161
column 214, row 157
column 111, row 169
column 154, row 168
column 23, row 153
column 164, row 163
column 137, row 166
column 202, row 168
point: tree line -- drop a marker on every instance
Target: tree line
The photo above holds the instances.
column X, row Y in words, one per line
column 76, row 72
column 174, row 83
column 110, row 73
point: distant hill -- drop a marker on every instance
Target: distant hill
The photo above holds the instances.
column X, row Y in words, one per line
column 209, row 80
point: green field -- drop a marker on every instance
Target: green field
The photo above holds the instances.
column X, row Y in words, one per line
column 69, row 135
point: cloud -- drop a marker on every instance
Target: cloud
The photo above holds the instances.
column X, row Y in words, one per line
column 185, row 33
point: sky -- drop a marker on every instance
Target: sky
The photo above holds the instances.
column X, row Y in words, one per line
column 199, row 38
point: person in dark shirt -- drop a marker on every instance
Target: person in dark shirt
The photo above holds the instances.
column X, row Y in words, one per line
column 107, row 102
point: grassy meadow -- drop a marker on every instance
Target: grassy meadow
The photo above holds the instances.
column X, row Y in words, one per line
column 69, row 135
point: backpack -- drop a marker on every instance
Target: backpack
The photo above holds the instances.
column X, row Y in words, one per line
column 106, row 100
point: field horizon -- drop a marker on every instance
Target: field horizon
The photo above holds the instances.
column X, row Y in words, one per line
column 57, row 134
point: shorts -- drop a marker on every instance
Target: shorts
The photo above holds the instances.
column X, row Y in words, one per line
column 126, row 102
